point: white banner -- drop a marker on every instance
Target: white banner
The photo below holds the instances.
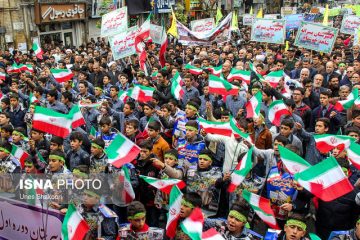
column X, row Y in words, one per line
column 155, row 33
column 21, row 221
column 202, row 25
column 248, row 19
column 114, row 22
column 123, row 44
column 349, row 24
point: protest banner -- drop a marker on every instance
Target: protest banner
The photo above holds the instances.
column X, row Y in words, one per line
column 268, row 30
column 248, row 19
column 316, row 37
column 349, row 24
column 114, row 22
column 155, row 33
column 123, row 44
column 288, row 11
column 14, row 224
column 357, row 37
column 202, row 25
column 293, row 21
column 220, row 34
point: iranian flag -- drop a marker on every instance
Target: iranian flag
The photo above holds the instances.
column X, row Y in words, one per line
column 123, row 96
column 261, row 207
column 293, row 162
column 349, row 102
column 212, row 234
column 274, row 77
column 52, row 122
column 37, row 50
column 237, row 132
column 14, row 68
column 221, row 86
column 353, row 153
column 33, row 99
column 128, row 194
column 215, row 70
column 242, row 75
column 241, row 170
column 27, row 68
column 74, row 226
column 121, row 150
column 62, row 75
column 253, row 105
column 326, row 180
column 276, row 110
column 141, row 93
column 142, row 35
column 20, row 154
column 193, row 225
column 193, row 70
column 174, row 211
column 164, row 44
column 327, row 142
column 76, row 116
column 164, row 185
column 2, row 76
column 176, row 87
column 219, row 128
column 154, row 76
column 357, row 102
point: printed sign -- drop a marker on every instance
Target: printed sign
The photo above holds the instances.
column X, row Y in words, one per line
column 248, row 19
column 293, row 21
column 288, row 11
column 349, row 24
column 123, row 44
column 114, row 22
column 163, row 6
column 268, row 30
column 316, row 37
column 202, row 25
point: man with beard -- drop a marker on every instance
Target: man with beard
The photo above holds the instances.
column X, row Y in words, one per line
column 334, row 85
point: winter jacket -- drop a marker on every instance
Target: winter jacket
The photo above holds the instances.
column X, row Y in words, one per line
column 189, row 152
column 160, row 146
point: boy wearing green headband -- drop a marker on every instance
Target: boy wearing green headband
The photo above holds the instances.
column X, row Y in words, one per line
column 98, row 159
column 294, row 229
column 99, row 93
column 18, row 138
column 57, row 163
column 234, row 228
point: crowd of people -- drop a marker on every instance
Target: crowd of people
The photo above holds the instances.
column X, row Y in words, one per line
column 171, row 141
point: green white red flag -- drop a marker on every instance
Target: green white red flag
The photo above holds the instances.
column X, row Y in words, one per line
column 142, row 36
column 357, row 102
column 212, row 234
column 237, row 132
column 219, row 128
column 293, row 162
column 261, row 207
column 326, row 180
column 164, row 185
column 176, row 87
column 123, row 96
column 274, row 77
column 37, row 50
column 141, row 93
column 128, row 194
column 327, row 142
column 33, row 99
column 74, row 226
column 52, row 122
column 242, row 75
column 193, row 225
column 221, row 86
column 175, row 199
column 77, row 117
column 348, row 102
column 253, row 106
column 193, row 70
column 62, row 75
column 241, row 170
column 353, row 153
column 216, row 71
column 121, row 150
column 276, row 110
column 14, row 68
column 19, row 154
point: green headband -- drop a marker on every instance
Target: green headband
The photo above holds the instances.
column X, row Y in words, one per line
column 187, row 204
column 238, row 216
column 98, row 88
column 91, row 193
column 19, row 134
column 138, row 215
column 172, row 156
column 4, row 150
column 206, row 157
column 96, row 146
column 78, row 173
column 342, row 65
column 56, row 157
column 191, row 128
column 293, row 222
column 29, row 164
column 192, row 107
